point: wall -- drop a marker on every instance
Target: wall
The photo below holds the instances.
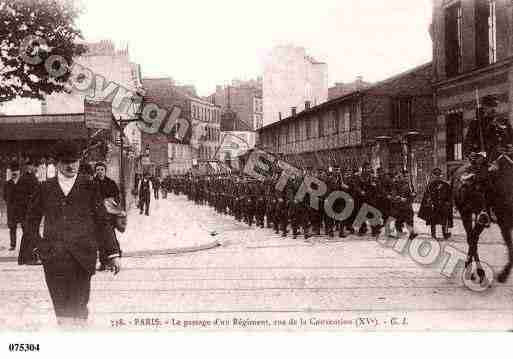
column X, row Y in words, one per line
column 290, row 79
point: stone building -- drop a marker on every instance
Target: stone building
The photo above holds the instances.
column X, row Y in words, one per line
column 472, row 48
column 166, row 155
column 292, row 79
column 389, row 124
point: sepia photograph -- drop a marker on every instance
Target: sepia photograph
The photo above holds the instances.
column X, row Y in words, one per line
column 255, row 166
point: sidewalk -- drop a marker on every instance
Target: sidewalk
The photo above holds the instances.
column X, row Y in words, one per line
column 170, row 228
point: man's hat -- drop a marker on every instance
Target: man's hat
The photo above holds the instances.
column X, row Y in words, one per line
column 437, row 172
column 67, row 151
column 100, row 164
column 490, row 101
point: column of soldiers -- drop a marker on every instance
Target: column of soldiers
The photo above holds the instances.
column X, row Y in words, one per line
column 255, row 202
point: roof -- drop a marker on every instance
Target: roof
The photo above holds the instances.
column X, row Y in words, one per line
column 347, row 97
column 163, row 90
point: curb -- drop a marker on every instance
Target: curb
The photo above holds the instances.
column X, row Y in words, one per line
column 148, row 253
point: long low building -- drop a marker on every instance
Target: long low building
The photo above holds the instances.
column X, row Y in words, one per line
column 390, row 124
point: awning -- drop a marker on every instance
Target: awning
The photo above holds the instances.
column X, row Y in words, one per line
column 42, row 127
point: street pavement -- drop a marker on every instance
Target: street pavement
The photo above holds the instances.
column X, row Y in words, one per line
column 257, row 280
column 147, row 235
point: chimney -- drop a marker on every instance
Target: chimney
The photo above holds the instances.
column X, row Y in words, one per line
column 293, row 111
column 279, row 116
column 307, row 105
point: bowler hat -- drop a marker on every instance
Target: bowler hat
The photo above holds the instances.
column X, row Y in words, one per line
column 67, row 151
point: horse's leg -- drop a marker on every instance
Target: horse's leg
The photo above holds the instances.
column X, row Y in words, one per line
column 506, row 234
column 476, row 232
column 467, row 224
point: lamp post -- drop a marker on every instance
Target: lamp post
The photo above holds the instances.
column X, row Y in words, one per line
column 409, row 154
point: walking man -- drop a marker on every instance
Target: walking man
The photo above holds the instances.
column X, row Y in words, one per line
column 76, row 222
column 145, row 190
column 156, row 186
column 13, row 202
column 436, row 205
column 27, row 187
column 108, row 189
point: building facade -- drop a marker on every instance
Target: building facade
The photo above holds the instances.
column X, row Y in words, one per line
column 390, row 124
column 472, row 48
column 292, row 79
column 244, row 98
column 167, row 156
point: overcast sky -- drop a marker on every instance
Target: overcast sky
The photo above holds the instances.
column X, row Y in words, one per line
column 209, row 42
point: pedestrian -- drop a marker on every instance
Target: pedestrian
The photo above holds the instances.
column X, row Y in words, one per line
column 436, row 205
column 156, row 186
column 13, row 202
column 108, row 189
column 76, row 221
column 144, row 191
column 27, row 187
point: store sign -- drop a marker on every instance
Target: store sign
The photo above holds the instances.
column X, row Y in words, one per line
column 98, row 115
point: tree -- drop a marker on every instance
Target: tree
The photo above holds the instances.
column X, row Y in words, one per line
column 53, row 23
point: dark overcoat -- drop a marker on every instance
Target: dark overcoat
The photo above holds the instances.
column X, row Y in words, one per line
column 436, row 205
column 75, row 225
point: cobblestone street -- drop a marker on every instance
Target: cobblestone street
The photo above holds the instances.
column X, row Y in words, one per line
column 256, row 276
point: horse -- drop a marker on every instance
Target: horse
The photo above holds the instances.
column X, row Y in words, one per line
column 470, row 202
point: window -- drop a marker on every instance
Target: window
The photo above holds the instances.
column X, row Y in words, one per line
column 308, row 129
column 454, row 148
column 453, row 39
column 320, row 125
column 297, row 130
column 486, row 32
column 402, row 116
column 492, row 32
column 353, row 118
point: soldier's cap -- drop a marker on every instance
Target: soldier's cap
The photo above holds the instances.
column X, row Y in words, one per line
column 490, row 101
column 437, row 172
column 67, row 151
column 14, row 166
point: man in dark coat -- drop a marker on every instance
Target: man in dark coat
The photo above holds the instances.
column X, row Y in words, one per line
column 27, row 186
column 145, row 190
column 76, row 222
column 108, row 189
column 14, row 202
column 156, row 186
column 436, row 205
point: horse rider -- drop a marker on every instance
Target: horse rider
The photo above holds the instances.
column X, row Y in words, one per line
column 488, row 136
